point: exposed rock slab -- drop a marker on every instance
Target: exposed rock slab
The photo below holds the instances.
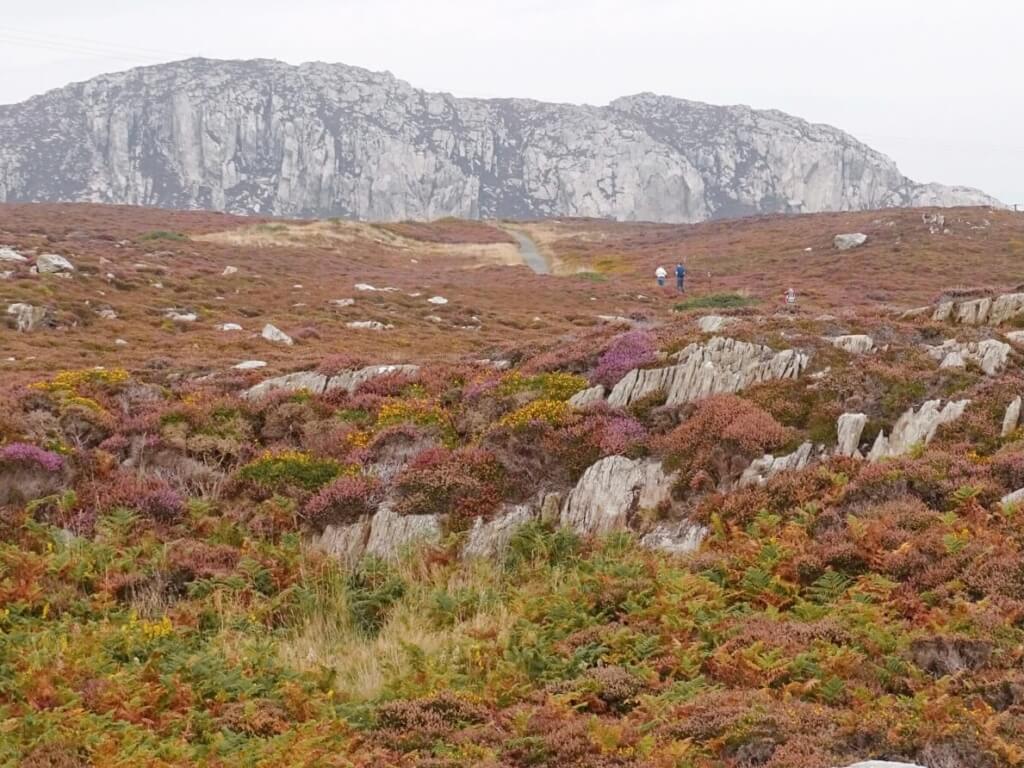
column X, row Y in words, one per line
column 675, row 538
column 318, row 383
column 351, row 380
column 989, row 354
column 761, row 470
column 11, row 256
column 854, row 343
column 52, row 263
column 916, row 427
column 720, row 366
column 611, row 492
column 715, row 323
column 27, row 317
column 983, row 311
column 276, row 335
column 490, row 538
column 346, row 542
column 1011, row 419
column 849, row 428
column 391, row 534
column 587, row 397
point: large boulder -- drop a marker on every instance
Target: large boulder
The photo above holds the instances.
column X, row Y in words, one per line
column 849, row 241
column 52, row 263
column 612, row 491
column 26, row 317
column 916, row 427
column 720, row 366
column 276, row 335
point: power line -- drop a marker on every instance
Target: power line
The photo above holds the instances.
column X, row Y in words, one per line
column 82, row 47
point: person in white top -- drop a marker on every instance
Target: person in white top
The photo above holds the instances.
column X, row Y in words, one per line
column 661, row 274
column 790, row 298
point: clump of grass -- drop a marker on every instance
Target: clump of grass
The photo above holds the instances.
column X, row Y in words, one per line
column 715, row 301
column 164, row 234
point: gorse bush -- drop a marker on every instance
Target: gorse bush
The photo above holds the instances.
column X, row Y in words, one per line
column 280, row 471
column 548, row 386
column 550, row 411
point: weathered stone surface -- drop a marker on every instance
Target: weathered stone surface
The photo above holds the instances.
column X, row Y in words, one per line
column 989, row 354
column 489, row 538
column 1011, row 419
column 984, row 311
column 676, row 538
column 391, row 533
column 181, row 316
column 1016, row 337
column 229, row 270
column 350, row 380
column 611, row 492
column 916, row 427
column 368, row 325
column 250, row 365
column 12, row 256
column 51, row 263
column 276, row 335
column 760, row 470
column 1013, row 498
column 229, row 327
column 849, row 428
column 26, row 317
column 849, row 241
column 345, row 542
column 587, row 397
column 310, row 381
column 722, row 365
column 325, row 140
column 714, row 323
column 854, row 343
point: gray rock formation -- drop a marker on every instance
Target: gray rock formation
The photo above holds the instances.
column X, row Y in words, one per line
column 385, row 534
column 276, row 335
column 488, row 538
column 52, row 263
column 714, row 323
column 611, row 492
column 761, row 470
column 989, row 354
column 720, row 366
column 26, row 317
column 854, row 343
column 675, row 538
column 331, row 140
column 985, row 311
column 850, row 241
column 849, row 428
column 916, row 427
column 10, row 255
column 587, row 397
column 318, row 383
column 1011, row 419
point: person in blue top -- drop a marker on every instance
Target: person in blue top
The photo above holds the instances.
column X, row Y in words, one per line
column 680, row 278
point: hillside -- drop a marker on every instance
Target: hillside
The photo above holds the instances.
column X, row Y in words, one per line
column 555, row 520
column 323, row 140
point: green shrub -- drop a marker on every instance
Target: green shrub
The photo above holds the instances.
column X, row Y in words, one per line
column 163, row 234
column 372, row 590
column 289, row 470
column 715, row 301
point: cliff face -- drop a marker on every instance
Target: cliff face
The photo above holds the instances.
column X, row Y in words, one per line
column 332, row 140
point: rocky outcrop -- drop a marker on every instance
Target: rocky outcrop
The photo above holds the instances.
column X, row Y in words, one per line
column 611, row 492
column 984, row 311
column 714, row 323
column 587, row 397
column 854, row 343
column 51, row 263
column 27, row 317
column 320, row 140
column 11, row 256
column 345, row 542
column 1011, row 419
column 849, row 241
column 675, row 538
column 489, row 538
column 849, row 428
column 990, row 354
column 318, row 383
column 761, row 470
column 916, row 427
column 720, row 366
column 391, row 534
column 1014, row 498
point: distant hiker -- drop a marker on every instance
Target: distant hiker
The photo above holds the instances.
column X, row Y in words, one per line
column 790, row 298
column 661, row 274
column 680, row 277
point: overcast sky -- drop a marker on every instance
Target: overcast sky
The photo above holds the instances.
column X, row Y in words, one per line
column 938, row 86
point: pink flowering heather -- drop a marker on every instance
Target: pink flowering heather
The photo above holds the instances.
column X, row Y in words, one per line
column 343, row 501
column 26, row 453
column 162, row 504
column 620, row 433
column 626, row 352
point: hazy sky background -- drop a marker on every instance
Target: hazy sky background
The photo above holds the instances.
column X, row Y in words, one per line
column 938, row 86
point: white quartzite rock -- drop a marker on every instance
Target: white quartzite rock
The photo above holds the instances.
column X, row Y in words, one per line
column 849, row 429
column 50, row 263
column 854, row 343
column 611, row 491
column 852, row 240
column 587, row 397
column 989, row 354
column 276, row 335
column 720, row 366
column 26, row 316
column 916, row 428
column 1011, row 419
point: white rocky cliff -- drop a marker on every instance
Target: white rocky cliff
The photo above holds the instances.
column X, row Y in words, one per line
column 331, row 140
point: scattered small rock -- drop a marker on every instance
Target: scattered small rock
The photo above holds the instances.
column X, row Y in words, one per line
column 229, row 327
column 439, row 300
column 121, row 342
column 342, row 302
column 368, row 325
column 51, row 263
column 181, row 316
column 9, row 254
column 249, row 365
column 229, row 271
column 107, row 313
